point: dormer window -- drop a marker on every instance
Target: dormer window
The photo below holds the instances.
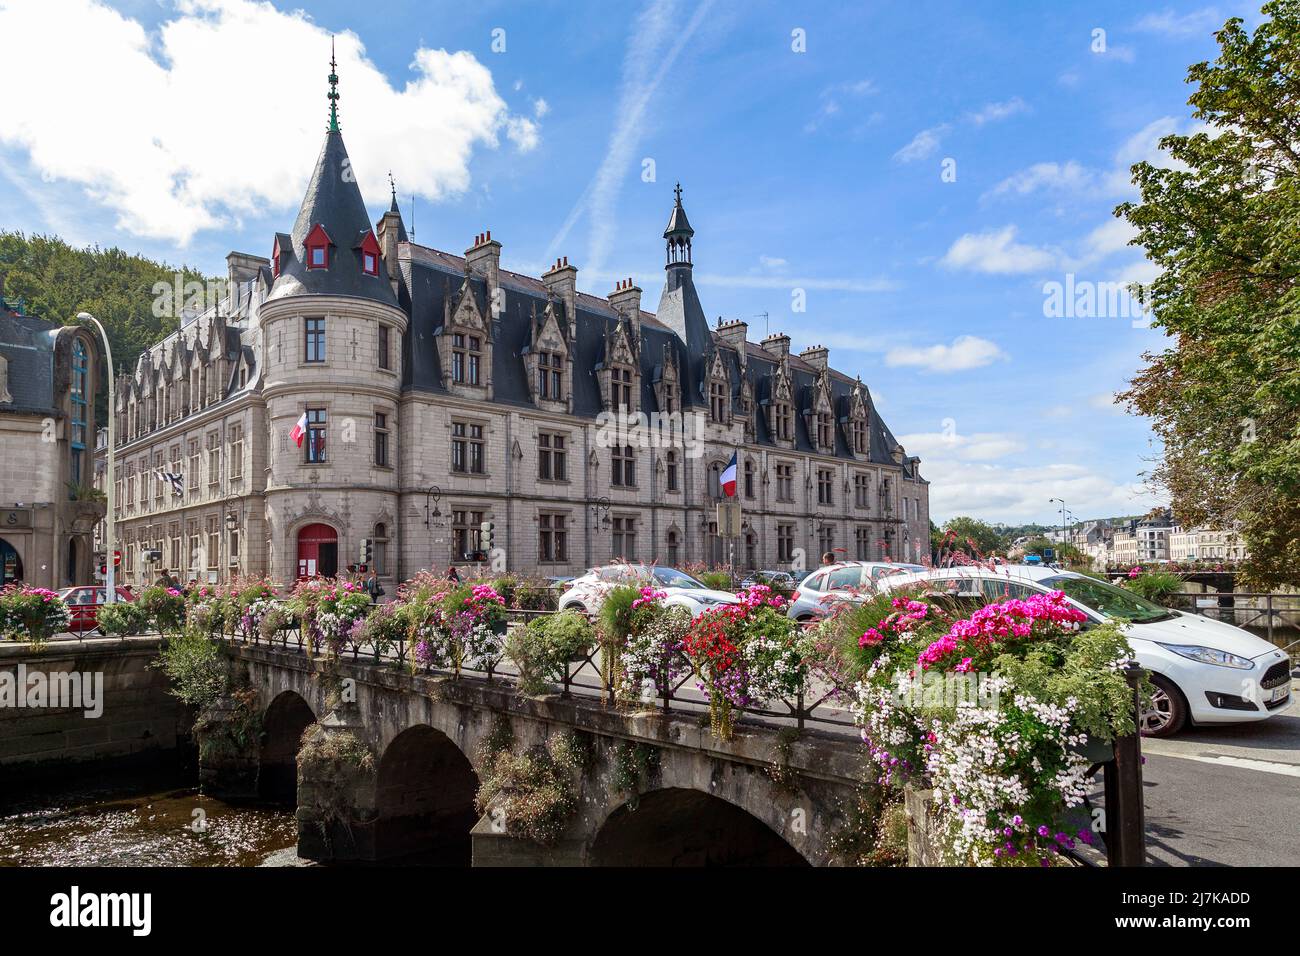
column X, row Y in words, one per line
column 369, row 249
column 318, row 248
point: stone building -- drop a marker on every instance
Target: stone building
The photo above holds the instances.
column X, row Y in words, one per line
column 49, row 376
column 443, row 392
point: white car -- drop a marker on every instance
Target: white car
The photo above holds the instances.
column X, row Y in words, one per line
column 587, row 593
column 1203, row 670
column 844, row 581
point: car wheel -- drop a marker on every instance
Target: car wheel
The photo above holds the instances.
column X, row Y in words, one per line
column 1167, row 712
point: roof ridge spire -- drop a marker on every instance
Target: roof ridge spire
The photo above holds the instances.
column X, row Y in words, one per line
column 333, row 94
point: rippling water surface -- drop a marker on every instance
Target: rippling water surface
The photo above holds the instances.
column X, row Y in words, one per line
column 141, row 821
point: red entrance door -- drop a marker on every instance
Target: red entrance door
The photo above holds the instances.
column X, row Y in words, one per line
column 318, row 551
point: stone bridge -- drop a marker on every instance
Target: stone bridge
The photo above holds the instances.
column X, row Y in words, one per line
column 658, row 788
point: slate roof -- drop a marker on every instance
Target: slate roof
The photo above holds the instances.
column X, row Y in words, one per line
column 430, row 275
column 333, row 201
column 27, row 343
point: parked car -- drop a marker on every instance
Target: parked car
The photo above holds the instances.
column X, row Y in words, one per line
column 852, row 581
column 1204, row 671
column 781, row 582
column 84, row 604
column 587, row 592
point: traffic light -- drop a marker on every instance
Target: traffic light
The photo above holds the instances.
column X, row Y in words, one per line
column 486, row 536
column 367, row 551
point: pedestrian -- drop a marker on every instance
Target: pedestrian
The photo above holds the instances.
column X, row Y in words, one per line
column 828, row 558
column 453, row 575
column 373, row 587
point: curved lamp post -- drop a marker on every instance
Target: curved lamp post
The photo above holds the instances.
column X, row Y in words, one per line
column 110, row 539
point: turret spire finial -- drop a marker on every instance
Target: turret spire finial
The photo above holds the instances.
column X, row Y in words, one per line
column 677, row 191
column 334, row 91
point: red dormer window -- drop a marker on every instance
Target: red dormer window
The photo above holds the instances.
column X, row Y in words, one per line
column 276, row 253
column 369, row 248
column 318, row 248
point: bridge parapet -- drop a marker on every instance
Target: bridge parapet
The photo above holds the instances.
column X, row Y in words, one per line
column 779, row 791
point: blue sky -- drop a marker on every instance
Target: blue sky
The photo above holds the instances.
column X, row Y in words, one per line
column 816, row 145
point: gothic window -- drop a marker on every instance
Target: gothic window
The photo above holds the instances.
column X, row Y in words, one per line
column 785, row 542
column 468, row 448
column 785, row 482
column 552, row 538
column 623, row 467
column 784, row 421
column 466, row 359
column 825, row 430
column 552, row 457
column 464, row 533
column 625, row 538
column 385, row 351
column 859, row 436
column 313, row 345
column 317, row 424
column 550, row 373
column 718, row 396
column 862, row 543
column 674, row 549
column 749, row 477
column 381, row 439
column 621, row 388
column 825, row 487
column 673, row 469
column 862, row 491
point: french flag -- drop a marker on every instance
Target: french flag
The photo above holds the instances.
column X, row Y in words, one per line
column 299, row 430
column 729, row 477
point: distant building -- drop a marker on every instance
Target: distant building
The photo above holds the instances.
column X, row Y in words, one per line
column 48, row 505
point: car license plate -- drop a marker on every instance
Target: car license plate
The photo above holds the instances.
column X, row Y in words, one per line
column 1279, row 693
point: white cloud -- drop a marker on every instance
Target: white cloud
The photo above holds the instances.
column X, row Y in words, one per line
column 540, row 107
column 981, row 446
column 1069, row 177
column 137, row 120
column 831, row 98
column 1125, row 54
column 923, row 144
column 993, row 112
column 966, row 352
column 1180, row 26
column 772, row 263
column 1019, row 492
column 656, row 40
column 998, row 253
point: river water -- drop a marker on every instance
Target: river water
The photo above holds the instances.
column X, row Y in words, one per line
column 139, row 819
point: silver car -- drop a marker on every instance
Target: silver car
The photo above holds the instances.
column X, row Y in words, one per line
column 844, row 581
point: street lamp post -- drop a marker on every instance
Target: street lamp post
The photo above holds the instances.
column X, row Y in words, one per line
column 110, row 539
column 1062, row 502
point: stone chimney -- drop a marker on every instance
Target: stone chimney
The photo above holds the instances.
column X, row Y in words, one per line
column 626, row 298
column 389, row 235
column 484, row 257
column 777, row 344
column 240, row 267
column 897, row 453
column 562, row 282
column 734, row 333
column 818, row 356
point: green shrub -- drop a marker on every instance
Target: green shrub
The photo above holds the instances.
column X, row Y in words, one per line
column 536, row 596
column 534, row 794
column 165, row 608
column 1156, row 586
column 542, row 649
column 122, row 619
column 196, row 668
column 717, row 580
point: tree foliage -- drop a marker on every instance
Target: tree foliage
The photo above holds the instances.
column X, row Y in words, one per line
column 56, row 281
column 965, row 534
column 1223, row 224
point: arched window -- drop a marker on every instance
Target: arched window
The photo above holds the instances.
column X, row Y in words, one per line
column 674, row 483
column 674, row 549
column 80, row 399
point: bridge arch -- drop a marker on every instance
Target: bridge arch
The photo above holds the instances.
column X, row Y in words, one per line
column 682, row 826
column 287, row 716
column 424, row 797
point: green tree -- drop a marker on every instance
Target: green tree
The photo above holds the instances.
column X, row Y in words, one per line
column 56, row 281
column 972, row 535
column 1223, row 225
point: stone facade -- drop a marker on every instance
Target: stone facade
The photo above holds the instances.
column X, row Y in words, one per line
column 447, row 392
column 49, row 377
